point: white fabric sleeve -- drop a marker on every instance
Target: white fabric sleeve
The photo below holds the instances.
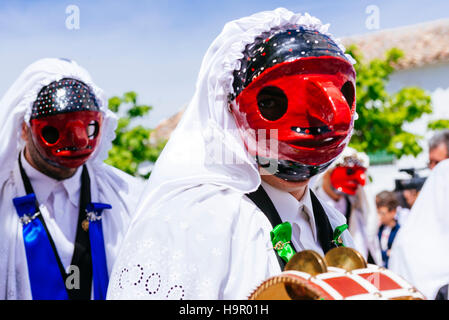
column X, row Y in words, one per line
column 253, row 259
column 203, row 244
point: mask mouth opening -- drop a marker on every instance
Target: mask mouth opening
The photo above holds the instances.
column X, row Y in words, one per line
column 315, row 131
column 68, row 151
column 349, row 190
column 78, row 156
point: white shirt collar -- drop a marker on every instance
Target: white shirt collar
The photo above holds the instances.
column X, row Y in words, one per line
column 44, row 185
column 289, row 208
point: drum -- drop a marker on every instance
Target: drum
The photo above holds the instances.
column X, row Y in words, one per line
column 323, row 281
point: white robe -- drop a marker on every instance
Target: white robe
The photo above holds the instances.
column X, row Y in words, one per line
column 205, row 243
column 196, row 235
column 108, row 185
column 420, row 251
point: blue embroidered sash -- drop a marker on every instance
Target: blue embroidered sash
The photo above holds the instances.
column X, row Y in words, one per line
column 99, row 266
column 45, row 276
column 46, row 280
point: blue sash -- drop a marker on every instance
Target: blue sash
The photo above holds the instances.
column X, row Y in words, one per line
column 46, row 280
column 99, row 266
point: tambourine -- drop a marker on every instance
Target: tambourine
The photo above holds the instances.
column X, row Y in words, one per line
column 342, row 274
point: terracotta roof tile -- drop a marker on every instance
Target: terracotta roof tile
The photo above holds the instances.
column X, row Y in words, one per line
column 165, row 128
column 422, row 44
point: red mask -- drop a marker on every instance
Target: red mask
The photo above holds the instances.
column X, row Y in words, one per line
column 308, row 100
column 66, row 123
column 348, row 179
column 308, row 109
column 67, row 139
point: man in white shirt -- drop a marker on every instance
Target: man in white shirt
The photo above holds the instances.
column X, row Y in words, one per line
column 63, row 212
column 274, row 105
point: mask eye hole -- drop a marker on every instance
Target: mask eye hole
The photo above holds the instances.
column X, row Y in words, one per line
column 50, row 134
column 272, row 103
column 348, row 92
column 92, row 129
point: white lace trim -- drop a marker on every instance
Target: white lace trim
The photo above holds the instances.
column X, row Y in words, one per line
column 165, row 275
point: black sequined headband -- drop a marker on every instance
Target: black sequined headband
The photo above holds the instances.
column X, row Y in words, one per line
column 66, row 95
column 281, row 45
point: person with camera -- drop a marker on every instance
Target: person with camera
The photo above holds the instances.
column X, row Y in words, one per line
column 407, row 191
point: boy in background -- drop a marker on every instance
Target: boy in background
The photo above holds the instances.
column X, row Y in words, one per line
column 387, row 204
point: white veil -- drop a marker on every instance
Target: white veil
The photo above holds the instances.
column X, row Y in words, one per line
column 206, row 136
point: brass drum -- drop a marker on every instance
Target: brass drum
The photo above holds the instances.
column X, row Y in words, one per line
column 341, row 274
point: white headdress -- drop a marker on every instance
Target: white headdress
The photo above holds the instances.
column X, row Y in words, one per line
column 207, row 126
column 350, row 153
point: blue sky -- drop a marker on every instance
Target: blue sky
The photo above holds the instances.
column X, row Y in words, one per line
column 155, row 47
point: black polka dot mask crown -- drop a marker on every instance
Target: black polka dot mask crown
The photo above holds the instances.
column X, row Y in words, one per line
column 66, row 123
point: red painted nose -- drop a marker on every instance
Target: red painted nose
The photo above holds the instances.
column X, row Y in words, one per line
column 77, row 134
column 326, row 104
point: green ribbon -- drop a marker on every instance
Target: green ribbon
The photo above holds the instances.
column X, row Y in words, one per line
column 281, row 237
column 337, row 233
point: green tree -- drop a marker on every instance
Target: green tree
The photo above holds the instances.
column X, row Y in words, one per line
column 381, row 115
column 438, row 124
column 132, row 146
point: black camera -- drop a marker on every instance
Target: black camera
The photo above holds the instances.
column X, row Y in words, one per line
column 415, row 182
